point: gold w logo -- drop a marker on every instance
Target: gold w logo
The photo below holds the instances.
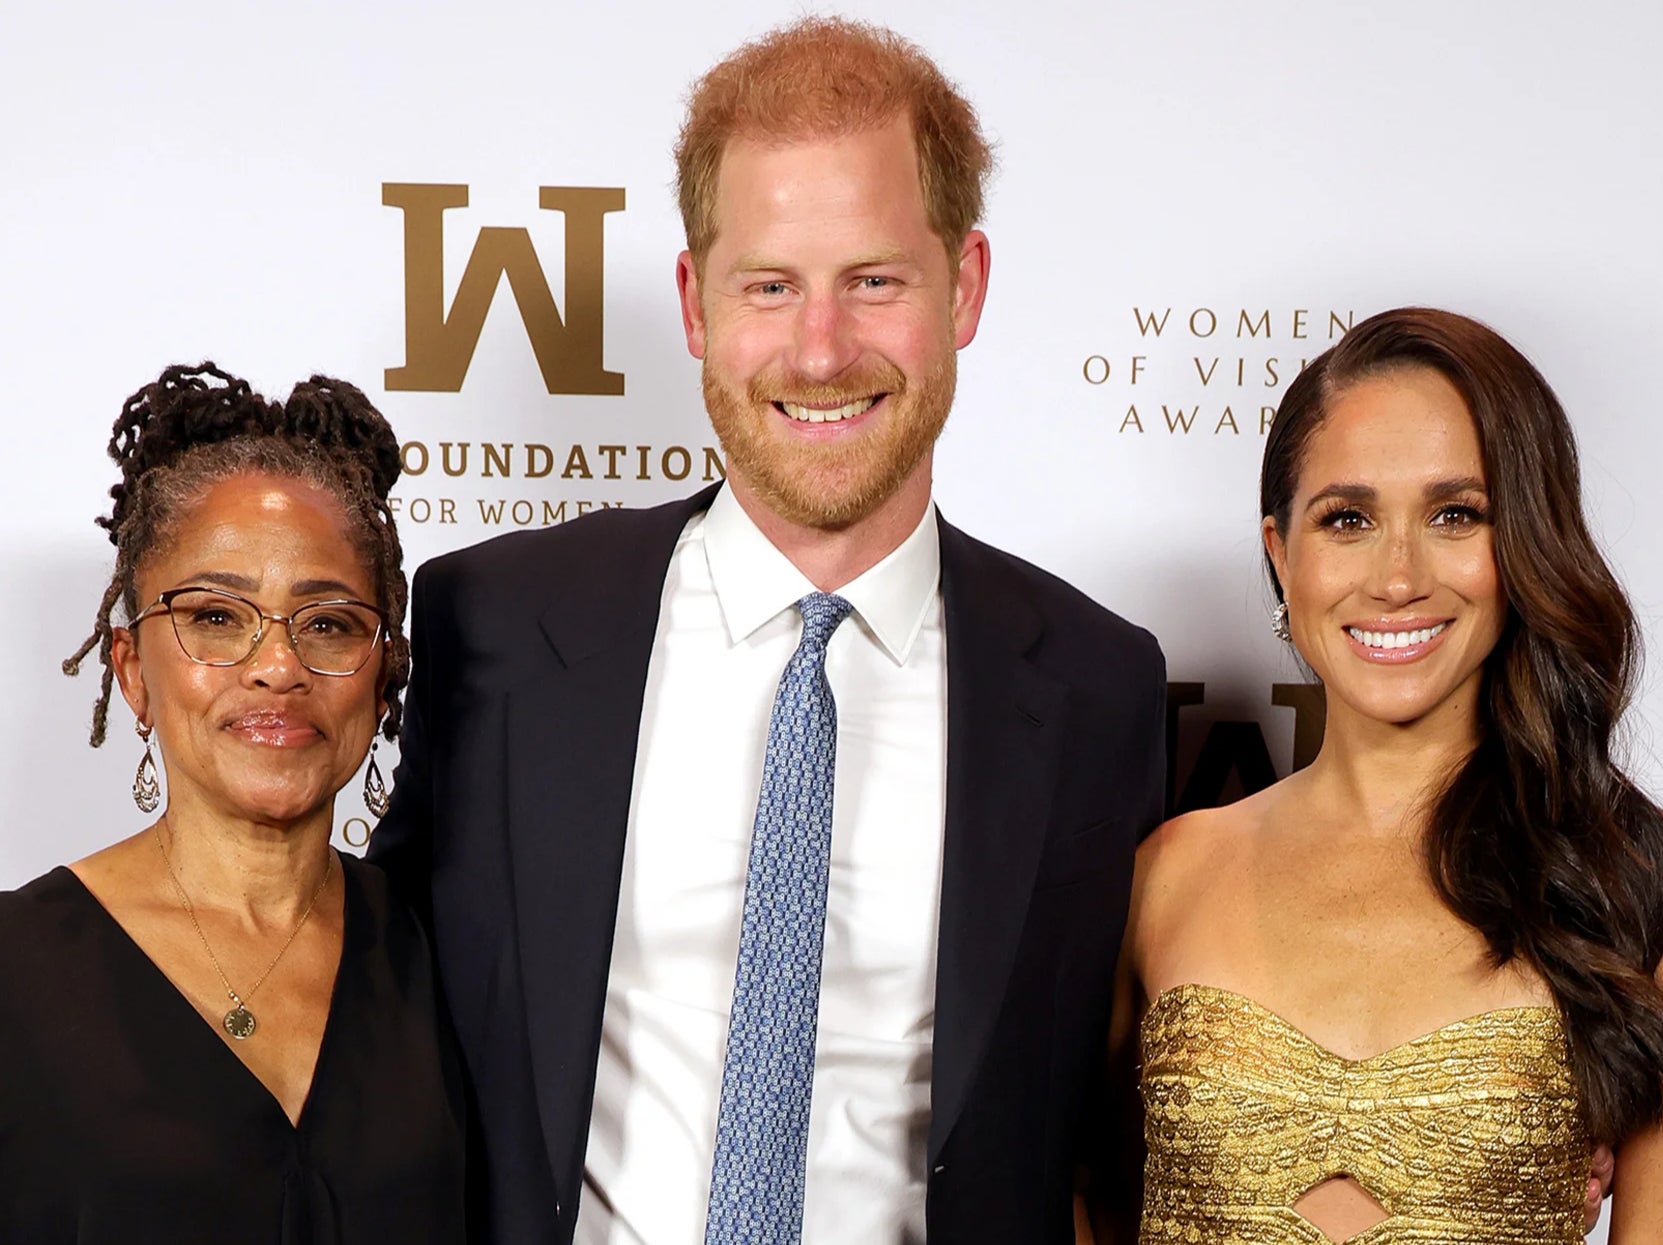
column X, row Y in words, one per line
column 439, row 347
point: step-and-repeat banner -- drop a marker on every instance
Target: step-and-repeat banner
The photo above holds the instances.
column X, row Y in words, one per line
column 467, row 210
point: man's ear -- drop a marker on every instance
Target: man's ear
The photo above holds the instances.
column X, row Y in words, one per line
column 970, row 287
column 692, row 309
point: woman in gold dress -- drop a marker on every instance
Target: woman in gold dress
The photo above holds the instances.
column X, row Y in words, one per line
column 1402, row 995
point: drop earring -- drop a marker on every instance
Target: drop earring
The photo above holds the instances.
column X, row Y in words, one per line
column 376, row 798
column 1279, row 623
column 147, row 789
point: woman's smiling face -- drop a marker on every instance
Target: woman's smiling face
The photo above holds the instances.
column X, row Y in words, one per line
column 1388, row 559
column 267, row 739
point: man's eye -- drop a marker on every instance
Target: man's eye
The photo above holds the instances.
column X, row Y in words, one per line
column 874, row 283
column 773, row 289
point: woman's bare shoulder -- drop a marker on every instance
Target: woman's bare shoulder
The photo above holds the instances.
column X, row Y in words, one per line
column 1196, row 839
column 1189, row 854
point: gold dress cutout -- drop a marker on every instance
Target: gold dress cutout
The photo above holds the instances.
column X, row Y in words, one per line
column 1470, row 1135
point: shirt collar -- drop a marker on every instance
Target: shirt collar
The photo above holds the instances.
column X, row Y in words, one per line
column 755, row 582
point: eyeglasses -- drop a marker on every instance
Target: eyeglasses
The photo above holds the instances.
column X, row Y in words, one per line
column 219, row 628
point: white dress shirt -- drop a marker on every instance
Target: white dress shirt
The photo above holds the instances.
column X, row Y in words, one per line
column 726, row 629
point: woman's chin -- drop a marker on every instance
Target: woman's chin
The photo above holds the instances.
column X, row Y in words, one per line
column 279, row 803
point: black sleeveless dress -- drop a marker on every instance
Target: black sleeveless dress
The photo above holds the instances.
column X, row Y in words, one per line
column 125, row 1119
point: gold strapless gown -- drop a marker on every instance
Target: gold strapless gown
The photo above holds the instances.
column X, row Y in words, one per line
column 1471, row 1135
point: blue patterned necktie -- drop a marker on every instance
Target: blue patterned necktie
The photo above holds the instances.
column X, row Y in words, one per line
column 756, row 1185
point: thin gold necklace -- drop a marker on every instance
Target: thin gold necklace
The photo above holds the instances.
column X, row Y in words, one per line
column 239, row 1021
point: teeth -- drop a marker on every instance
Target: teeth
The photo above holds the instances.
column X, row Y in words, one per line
column 1393, row 639
column 811, row 415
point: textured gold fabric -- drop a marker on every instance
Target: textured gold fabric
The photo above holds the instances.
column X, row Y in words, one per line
column 1471, row 1135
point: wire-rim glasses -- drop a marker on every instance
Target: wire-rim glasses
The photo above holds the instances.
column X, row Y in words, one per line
column 216, row 627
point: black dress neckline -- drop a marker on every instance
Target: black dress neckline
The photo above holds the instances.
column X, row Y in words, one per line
column 351, row 925
column 119, row 1127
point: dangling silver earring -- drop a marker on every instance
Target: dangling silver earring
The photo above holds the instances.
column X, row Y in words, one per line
column 1279, row 624
column 376, row 798
column 147, row 790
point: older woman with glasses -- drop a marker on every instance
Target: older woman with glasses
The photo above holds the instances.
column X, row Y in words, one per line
column 218, row 1030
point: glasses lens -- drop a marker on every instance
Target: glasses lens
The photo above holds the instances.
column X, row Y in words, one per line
column 334, row 637
column 214, row 628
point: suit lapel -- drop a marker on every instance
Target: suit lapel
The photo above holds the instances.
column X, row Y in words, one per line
column 1004, row 729
column 573, row 730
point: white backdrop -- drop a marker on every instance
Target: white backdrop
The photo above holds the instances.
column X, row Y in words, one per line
column 188, row 180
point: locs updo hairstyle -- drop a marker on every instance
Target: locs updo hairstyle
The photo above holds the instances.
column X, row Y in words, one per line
column 1537, row 839
column 194, row 426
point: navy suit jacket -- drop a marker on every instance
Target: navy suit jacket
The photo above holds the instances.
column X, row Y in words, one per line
column 511, row 803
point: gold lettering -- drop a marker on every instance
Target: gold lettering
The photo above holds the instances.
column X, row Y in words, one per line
column 1180, row 418
column 438, row 347
column 445, row 448
column 1145, row 325
column 577, row 464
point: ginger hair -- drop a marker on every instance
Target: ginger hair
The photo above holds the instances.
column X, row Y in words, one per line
column 825, row 77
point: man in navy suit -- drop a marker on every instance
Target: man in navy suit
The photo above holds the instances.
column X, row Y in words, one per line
column 621, row 735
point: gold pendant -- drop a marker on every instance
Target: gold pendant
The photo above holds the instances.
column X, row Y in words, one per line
column 239, row 1022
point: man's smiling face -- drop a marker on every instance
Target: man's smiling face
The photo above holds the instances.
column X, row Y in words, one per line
column 828, row 314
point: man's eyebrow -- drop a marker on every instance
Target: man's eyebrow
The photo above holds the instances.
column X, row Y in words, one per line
column 880, row 258
column 875, row 259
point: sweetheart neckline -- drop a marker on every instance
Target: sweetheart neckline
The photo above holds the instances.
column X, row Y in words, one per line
column 1465, row 1022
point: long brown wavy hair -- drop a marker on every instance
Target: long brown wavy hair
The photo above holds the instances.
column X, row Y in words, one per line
column 1537, row 839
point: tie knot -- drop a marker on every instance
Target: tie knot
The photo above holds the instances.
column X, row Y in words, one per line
column 822, row 612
